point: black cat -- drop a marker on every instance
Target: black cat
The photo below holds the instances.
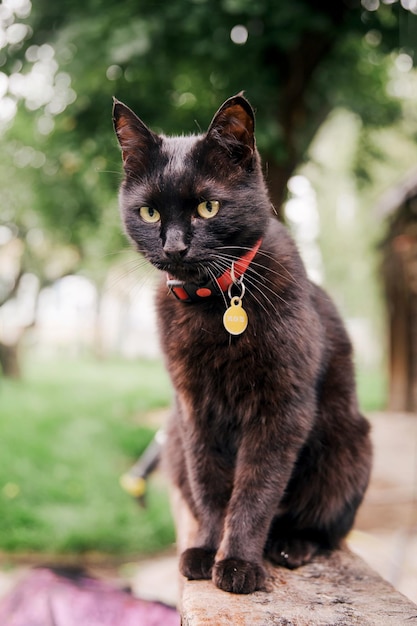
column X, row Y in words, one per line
column 266, row 444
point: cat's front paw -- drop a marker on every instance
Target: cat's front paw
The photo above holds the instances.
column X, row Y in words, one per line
column 197, row 563
column 238, row 576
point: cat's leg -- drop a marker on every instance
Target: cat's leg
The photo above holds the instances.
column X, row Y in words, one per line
column 205, row 482
column 262, row 472
column 210, row 493
column 323, row 495
column 292, row 543
column 196, row 563
column 292, row 551
column 331, row 474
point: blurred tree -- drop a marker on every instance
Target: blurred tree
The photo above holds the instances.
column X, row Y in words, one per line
column 174, row 63
column 30, row 258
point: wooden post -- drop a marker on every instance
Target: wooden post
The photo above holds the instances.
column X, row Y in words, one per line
column 339, row 589
column 335, row 590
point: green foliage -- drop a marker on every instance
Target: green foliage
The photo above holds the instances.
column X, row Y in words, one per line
column 68, row 432
column 174, row 63
column 372, row 388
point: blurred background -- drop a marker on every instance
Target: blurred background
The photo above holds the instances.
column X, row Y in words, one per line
column 82, row 383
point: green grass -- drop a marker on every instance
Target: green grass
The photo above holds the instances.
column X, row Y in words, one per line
column 68, row 430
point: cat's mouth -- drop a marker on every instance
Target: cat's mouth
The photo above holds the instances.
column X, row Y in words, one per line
column 182, row 275
column 209, row 280
column 186, row 273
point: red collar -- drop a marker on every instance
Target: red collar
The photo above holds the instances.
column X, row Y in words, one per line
column 191, row 292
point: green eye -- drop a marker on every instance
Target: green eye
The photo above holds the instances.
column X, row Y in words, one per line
column 149, row 215
column 208, row 209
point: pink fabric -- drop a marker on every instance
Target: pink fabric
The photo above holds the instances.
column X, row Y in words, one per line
column 46, row 598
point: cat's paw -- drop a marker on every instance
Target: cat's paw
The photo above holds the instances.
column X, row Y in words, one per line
column 292, row 553
column 197, row 563
column 238, row 576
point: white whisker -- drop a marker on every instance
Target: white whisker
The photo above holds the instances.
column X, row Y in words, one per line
column 258, row 281
column 214, row 278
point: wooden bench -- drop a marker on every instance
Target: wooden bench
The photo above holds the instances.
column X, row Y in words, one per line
column 336, row 590
column 339, row 590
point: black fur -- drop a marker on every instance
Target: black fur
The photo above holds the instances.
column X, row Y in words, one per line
column 266, row 442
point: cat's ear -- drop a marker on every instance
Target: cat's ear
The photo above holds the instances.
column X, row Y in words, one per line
column 233, row 128
column 135, row 138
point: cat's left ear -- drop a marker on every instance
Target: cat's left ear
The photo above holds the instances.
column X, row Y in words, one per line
column 233, row 128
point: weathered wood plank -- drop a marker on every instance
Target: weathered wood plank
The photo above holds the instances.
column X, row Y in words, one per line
column 337, row 590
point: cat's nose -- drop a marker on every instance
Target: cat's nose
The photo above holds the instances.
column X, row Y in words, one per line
column 175, row 246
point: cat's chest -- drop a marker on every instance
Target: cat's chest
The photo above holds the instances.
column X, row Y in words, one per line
column 204, row 359
column 209, row 365
column 197, row 331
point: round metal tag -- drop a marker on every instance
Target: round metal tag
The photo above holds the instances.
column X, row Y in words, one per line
column 235, row 319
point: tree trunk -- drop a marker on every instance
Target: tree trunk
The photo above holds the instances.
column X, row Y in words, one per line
column 277, row 176
column 298, row 119
column 9, row 360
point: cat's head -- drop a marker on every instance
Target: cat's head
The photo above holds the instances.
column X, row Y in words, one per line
column 191, row 203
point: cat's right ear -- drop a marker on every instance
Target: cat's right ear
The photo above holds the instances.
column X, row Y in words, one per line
column 135, row 138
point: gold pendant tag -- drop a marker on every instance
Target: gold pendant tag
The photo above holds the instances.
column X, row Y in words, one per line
column 235, row 319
